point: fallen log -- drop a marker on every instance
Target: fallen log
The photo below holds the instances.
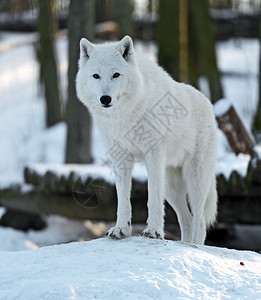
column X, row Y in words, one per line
column 88, row 193
column 240, row 140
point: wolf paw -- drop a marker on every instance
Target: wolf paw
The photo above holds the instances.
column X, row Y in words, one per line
column 118, row 232
column 152, row 233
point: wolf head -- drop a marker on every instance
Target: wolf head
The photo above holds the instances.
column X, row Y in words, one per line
column 108, row 78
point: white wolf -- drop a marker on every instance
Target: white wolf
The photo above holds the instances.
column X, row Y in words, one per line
column 144, row 114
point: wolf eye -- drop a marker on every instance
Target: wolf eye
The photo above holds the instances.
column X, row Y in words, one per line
column 115, row 75
column 96, row 76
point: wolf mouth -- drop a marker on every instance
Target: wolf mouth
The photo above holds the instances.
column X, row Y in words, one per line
column 106, row 105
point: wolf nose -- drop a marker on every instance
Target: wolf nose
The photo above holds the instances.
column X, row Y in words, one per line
column 105, row 100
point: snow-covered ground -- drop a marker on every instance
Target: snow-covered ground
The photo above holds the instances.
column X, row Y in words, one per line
column 133, row 268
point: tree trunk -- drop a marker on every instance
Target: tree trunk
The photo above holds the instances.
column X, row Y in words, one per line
column 121, row 13
column 48, row 69
column 183, row 41
column 202, row 28
column 80, row 24
column 187, row 44
column 257, row 118
column 168, row 36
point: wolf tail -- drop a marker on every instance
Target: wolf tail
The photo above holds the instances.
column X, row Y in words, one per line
column 210, row 210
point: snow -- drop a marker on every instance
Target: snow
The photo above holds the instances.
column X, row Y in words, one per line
column 221, row 107
column 86, row 171
column 22, row 112
column 239, row 163
column 59, row 230
column 258, row 151
column 238, row 56
column 14, row 240
column 238, row 60
column 133, row 268
column 80, row 170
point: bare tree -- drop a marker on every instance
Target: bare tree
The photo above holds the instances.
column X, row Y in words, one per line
column 257, row 118
column 80, row 24
column 121, row 13
column 168, row 36
column 48, row 69
column 203, row 38
column 187, row 43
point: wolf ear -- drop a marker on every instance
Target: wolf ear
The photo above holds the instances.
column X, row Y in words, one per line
column 86, row 49
column 126, row 48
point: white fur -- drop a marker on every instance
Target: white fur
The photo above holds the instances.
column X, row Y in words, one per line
column 181, row 163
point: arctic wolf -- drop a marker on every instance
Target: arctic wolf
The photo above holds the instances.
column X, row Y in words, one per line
column 144, row 114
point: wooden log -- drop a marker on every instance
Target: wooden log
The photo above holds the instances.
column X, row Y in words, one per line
column 256, row 176
column 32, row 177
column 222, row 184
column 63, row 185
column 50, row 203
column 49, row 181
column 240, row 140
column 239, row 210
column 231, row 209
column 239, row 198
column 71, row 180
column 91, row 192
column 235, row 183
column 254, row 172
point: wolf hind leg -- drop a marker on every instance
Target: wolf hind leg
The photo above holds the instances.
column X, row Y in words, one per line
column 176, row 197
column 210, row 209
column 198, row 182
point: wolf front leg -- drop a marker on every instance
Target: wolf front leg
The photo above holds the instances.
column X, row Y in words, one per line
column 155, row 163
column 122, row 172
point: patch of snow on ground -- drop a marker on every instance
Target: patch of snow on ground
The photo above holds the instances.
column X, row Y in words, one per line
column 59, row 230
column 133, row 268
column 63, row 230
column 14, row 240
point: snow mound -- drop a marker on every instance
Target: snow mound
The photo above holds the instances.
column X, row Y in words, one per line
column 133, row 268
